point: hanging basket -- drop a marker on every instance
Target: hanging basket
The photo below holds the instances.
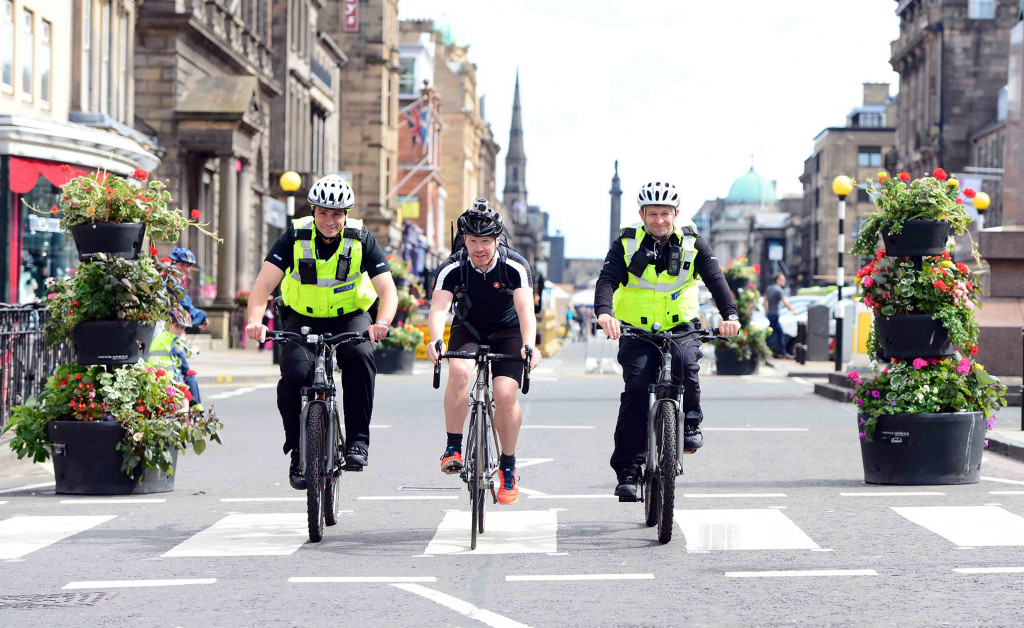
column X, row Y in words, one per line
column 115, row 239
column 912, row 336
column 111, row 342
column 86, row 461
column 738, row 283
column 925, row 449
column 917, row 238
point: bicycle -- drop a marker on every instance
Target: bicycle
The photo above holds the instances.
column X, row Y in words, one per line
column 664, row 455
column 482, row 438
column 321, row 437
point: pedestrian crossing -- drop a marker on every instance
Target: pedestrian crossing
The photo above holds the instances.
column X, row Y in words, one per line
column 536, row 531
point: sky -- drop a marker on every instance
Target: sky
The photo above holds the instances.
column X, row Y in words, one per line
column 683, row 91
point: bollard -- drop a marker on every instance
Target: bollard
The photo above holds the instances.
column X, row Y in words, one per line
column 1022, row 380
column 800, row 347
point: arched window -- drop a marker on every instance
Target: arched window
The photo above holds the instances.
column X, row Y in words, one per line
column 515, row 174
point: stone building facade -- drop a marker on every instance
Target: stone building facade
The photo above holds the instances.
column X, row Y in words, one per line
column 952, row 58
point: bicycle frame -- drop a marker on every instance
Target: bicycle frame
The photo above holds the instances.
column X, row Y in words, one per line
column 322, row 391
column 482, row 419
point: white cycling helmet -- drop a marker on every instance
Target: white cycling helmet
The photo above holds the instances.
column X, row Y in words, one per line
column 658, row 193
column 331, row 192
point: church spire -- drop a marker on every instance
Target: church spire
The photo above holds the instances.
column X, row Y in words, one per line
column 514, row 194
column 515, row 136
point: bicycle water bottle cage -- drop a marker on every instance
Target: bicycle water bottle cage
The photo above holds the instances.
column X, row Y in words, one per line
column 675, row 255
column 643, row 258
column 307, row 271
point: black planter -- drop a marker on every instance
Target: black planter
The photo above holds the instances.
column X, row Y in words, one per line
column 120, row 239
column 86, row 461
column 728, row 362
column 912, row 336
column 111, row 342
column 401, row 283
column 924, row 449
column 739, row 283
column 917, row 238
column 394, row 360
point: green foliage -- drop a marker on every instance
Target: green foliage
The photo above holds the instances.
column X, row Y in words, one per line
column 405, row 337
column 112, row 288
column 750, row 343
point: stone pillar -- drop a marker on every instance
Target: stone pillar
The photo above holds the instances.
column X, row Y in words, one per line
column 228, row 212
column 243, row 267
column 1013, row 157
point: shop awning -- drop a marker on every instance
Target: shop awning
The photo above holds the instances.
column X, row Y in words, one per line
column 25, row 173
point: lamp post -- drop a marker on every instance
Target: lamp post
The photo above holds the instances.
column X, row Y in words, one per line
column 981, row 202
column 291, row 181
column 841, row 186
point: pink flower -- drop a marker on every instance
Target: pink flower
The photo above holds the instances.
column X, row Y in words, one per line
column 965, row 366
column 52, row 295
column 991, row 423
column 876, row 394
column 169, row 390
column 864, row 436
column 919, row 363
column 868, row 282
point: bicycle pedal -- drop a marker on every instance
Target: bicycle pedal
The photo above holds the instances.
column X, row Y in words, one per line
column 693, row 451
column 355, row 468
column 627, row 498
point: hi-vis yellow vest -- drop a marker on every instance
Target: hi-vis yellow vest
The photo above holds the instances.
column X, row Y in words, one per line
column 331, row 287
column 160, row 354
column 654, row 297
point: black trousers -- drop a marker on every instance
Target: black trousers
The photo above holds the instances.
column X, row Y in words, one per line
column 640, row 361
column 357, row 376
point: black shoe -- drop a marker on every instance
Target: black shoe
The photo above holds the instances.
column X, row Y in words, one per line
column 356, row 457
column 692, row 438
column 295, row 477
column 627, row 487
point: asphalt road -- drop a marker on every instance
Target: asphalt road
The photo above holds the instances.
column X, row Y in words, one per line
column 775, row 527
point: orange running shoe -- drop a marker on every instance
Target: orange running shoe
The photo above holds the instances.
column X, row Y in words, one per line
column 508, row 492
column 451, row 460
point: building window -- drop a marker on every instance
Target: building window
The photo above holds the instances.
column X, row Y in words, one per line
column 515, row 174
column 318, row 121
column 7, row 47
column 407, row 84
column 27, row 54
column 981, row 9
column 869, row 156
column 105, row 35
column 122, row 77
column 872, row 119
column 863, row 196
column 86, row 77
column 45, row 58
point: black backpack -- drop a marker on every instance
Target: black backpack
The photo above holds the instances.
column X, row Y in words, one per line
column 461, row 300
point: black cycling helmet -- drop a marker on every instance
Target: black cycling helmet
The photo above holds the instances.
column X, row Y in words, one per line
column 481, row 220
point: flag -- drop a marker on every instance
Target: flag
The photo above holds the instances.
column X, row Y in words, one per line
column 412, row 118
column 424, row 127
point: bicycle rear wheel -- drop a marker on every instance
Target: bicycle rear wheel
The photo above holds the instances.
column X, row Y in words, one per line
column 666, row 469
column 316, row 421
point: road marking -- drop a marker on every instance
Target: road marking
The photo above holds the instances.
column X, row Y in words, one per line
column 515, row 532
column 114, row 501
column 600, row 496
column 26, row 487
column 233, row 500
column 2, row 503
column 379, row 427
column 741, row 529
column 530, row 492
column 233, row 393
column 968, row 526
column 462, row 607
column 756, row 429
column 529, row 462
column 1006, row 492
column 557, row 427
column 361, row 579
column 276, row 534
column 24, row 534
column 404, row 497
column 891, row 494
column 802, row 381
column 699, row 495
column 1001, row 480
column 135, row 584
column 573, row 577
column 801, row 573
column 983, row 570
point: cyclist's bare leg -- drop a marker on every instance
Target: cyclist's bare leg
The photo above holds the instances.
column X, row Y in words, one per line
column 456, row 394
column 508, row 417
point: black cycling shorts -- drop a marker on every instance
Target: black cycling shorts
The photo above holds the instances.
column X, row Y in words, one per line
column 508, row 340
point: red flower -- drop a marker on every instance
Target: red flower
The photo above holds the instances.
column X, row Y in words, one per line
column 962, row 267
column 140, row 409
column 190, row 372
column 54, row 210
column 165, row 259
column 940, row 284
column 882, row 178
column 904, row 176
column 940, row 174
column 153, row 251
column 140, row 174
column 959, row 201
column 188, row 395
column 757, row 269
column 879, row 254
column 160, row 372
column 195, row 214
column 974, row 349
column 78, row 377
column 970, row 285
column 969, row 193
column 945, row 255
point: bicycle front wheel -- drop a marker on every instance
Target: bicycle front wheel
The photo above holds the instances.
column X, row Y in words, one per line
column 471, row 469
column 666, row 469
column 316, row 421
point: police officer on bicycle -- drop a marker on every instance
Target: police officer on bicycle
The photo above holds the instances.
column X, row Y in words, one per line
column 650, row 277
column 492, row 289
column 331, row 272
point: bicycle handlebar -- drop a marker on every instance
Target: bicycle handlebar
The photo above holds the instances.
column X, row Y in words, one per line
column 329, row 339
column 470, row 355
column 639, row 332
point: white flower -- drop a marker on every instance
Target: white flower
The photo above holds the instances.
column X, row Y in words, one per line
column 137, row 436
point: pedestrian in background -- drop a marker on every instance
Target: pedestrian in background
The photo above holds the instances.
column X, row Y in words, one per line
column 774, row 295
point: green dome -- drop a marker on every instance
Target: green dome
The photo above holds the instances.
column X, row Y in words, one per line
column 752, row 188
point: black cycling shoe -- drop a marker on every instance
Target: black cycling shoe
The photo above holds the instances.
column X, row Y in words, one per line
column 692, row 438
column 356, row 457
column 295, row 477
column 627, row 487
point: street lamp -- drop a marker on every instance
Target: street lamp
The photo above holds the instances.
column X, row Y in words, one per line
column 841, row 185
column 981, row 202
column 291, row 181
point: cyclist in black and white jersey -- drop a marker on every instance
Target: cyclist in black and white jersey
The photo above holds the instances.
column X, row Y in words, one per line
column 492, row 290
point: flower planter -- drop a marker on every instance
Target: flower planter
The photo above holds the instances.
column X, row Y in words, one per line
column 912, row 336
column 393, row 360
column 401, row 283
column 111, row 342
column 740, row 283
column 120, row 239
column 728, row 362
column 925, row 449
column 917, row 238
column 86, row 461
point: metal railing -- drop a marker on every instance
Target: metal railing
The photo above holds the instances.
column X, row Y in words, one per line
column 25, row 359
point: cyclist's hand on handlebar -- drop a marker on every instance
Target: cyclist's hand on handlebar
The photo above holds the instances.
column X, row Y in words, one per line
column 256, row 331
column 377, row 331
column 727, row 329
column 611, row 326
column 534, row 356
column 434, row 351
